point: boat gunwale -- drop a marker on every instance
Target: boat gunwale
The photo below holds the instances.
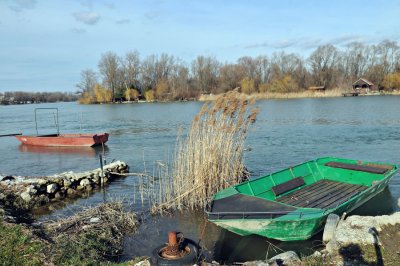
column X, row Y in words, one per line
column 303, row 212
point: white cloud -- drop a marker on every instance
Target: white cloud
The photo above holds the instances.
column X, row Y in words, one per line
column 88, row 18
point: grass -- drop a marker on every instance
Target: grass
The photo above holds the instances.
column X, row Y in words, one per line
column 210, row 157
column 18, row 246
column 73, row 240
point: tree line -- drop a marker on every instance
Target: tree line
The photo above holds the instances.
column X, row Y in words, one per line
column 21, row 97
column 166, row 77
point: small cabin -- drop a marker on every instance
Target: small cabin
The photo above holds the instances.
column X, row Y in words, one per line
column 317, row 88
column 363, row 85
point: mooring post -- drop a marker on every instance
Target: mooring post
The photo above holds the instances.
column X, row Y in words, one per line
column 101, row 168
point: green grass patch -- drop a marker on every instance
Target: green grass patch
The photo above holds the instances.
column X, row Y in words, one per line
column 18, row 246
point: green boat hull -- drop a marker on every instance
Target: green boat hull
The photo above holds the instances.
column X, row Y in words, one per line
column 299, row 223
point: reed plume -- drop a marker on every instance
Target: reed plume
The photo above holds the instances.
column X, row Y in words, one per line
column 210, row 157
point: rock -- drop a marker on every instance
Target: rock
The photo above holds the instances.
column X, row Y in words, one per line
column 317, row 254
column 332, row 247
column 71, row 192
column 94, row 220
column 52, row 188
column 32, row 190
column 255, row 263
column 59, row 181
column 67, row 182
column 7, row 178
column 59, row 195
column 286, row 258
column 26, row 196
column 43, row 199
column 143, row 263
column 356, row 229
column 42, row 181
column 84, row 183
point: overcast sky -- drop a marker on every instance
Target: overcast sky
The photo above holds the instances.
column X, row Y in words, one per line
column 44, row 44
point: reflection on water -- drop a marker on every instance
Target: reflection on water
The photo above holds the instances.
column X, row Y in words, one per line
column 81, row 151
column 287, row 132
column 224, row 246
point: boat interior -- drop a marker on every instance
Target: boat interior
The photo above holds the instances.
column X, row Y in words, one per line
column 323, row 184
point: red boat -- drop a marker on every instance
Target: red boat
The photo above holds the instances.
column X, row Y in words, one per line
column 63, row 140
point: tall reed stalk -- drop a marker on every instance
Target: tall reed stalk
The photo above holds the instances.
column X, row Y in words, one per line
column 210, row 157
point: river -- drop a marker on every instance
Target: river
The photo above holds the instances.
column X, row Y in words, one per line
column 287, row 132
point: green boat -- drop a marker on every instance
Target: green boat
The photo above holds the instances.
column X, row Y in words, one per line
column 293, row 204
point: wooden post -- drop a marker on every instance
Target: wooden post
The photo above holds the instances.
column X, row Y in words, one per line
column 101, row 168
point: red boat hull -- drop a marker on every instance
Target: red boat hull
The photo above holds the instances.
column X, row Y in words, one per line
column 65, row 140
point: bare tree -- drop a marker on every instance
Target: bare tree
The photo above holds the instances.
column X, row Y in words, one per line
column 205, row 72
column 108, row 67
column 323, row 63
column 230, row 76
column 130, row 70
column 88, row 80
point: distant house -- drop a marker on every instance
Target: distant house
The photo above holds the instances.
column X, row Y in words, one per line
column 317, row 89
column 363, row 85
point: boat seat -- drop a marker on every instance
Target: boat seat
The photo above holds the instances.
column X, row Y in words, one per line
column 361, row 168
column 287, row 186
column 240, row 206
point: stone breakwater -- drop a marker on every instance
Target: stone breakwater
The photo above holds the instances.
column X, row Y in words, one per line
column 31, row 192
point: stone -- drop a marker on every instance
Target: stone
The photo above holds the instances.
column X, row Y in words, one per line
column 59, row 195
column 286, row 258
column 59, row 181
column 52, row 188
column 32, row 190
column 71, row 191
column 26, row 196
column 42, row 181
column 143, row 263
column 67, row 182
column 357, row 229
column 43, row 199
column 255, row 263
column 84, row 183
column 5, row 178
column 94, row 220
column 317, row 254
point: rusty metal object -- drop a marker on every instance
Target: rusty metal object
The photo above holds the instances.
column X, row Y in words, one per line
column 173, row 251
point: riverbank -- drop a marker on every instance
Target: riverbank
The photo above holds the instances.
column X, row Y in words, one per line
column 27, row 193
column 93, row 236
column 292, row 95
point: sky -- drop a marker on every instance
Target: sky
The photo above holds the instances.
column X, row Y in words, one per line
column 45, row 44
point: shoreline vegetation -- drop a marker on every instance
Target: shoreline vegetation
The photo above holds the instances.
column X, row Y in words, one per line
column 165, row 78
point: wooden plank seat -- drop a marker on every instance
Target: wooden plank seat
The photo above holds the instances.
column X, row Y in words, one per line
column 287, row 186
column 240, row 206
column 362, row 168
column 324, row 194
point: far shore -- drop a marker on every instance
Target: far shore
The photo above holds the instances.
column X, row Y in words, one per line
column 294, row 95
column 253, row 96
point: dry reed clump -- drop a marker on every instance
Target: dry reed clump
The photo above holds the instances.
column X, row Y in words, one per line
column 336, row 92
column 210, row 158
column 93, row 234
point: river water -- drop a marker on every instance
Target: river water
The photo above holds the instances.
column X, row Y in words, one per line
column 287, row 132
